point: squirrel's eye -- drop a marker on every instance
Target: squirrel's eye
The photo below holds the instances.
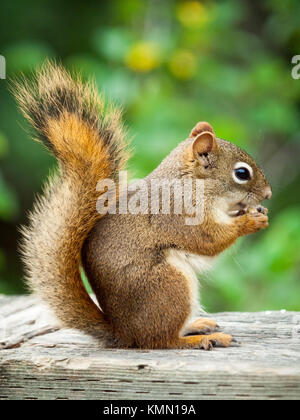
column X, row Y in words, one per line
column 242, row 172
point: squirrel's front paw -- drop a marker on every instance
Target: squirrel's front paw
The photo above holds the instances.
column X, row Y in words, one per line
column 254, row 220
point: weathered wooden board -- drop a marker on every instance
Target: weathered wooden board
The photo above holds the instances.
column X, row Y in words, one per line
column 40, row 361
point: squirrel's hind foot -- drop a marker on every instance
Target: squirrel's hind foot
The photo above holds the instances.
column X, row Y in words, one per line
column 206, row 342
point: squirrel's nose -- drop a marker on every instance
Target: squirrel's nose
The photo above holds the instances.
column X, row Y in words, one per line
column 268, row 193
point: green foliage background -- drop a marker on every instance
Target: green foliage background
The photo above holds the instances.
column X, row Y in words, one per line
column 170, row 64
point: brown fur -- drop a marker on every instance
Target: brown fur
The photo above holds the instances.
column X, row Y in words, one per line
column 146, row 300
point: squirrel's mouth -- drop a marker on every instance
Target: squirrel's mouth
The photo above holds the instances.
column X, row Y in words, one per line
column 238, row 210
column 244, row 205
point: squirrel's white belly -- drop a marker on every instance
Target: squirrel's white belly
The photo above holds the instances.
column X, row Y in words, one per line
column 190, row 264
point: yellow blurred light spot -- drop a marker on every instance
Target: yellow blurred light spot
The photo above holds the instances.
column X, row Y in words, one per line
column 143, row 57
column 191, row 13
column 183, row 64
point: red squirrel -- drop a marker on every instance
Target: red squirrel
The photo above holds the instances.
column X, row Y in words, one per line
column 141, row 267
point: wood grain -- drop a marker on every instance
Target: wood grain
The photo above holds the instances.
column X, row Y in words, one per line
column 40, row 361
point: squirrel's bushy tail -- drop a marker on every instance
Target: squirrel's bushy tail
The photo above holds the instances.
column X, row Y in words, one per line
column 87, row 138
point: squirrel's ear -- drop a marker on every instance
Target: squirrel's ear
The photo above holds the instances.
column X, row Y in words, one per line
column 204, row 143
column 204, row 139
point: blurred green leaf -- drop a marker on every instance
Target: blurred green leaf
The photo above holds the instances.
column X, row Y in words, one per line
column 3, row 145
column 26, row 55
column 8, row 201
column 112, row 43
